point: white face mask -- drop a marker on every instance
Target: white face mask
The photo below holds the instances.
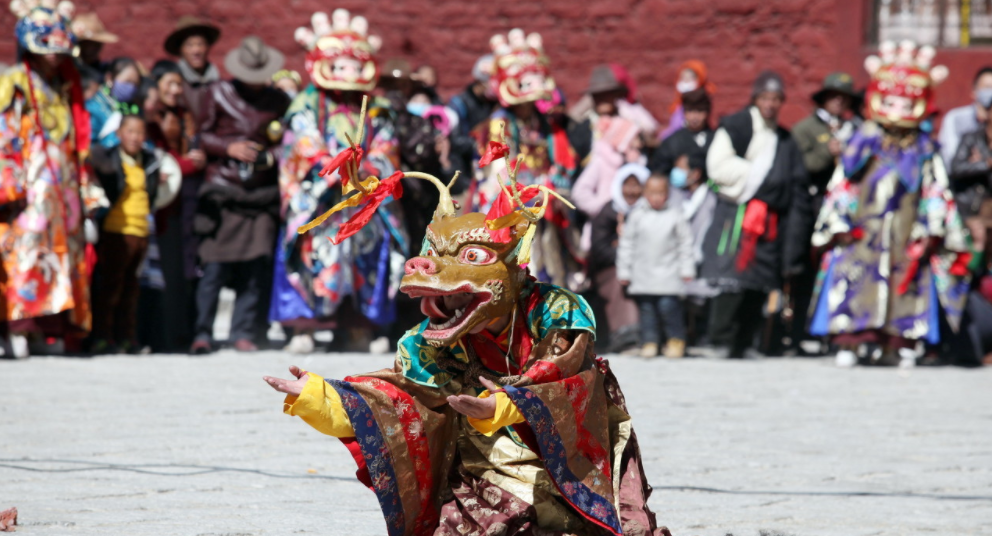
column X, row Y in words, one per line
column 685, row 86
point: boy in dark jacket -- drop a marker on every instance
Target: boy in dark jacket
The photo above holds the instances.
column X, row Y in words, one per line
column 136, row 181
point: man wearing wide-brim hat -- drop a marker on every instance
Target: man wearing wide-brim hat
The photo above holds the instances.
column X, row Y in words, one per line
column 92, row 35
column 822, row 135
column 238, row 211
column 821, row 138
column 607, row 94
column 191, row 41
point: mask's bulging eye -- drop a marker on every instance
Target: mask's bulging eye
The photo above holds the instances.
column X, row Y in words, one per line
column 431, row 252
column 476, row 255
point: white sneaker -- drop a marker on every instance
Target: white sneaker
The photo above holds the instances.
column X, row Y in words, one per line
column 300, row 344
column 907, row 358
column 19, row 346
column 379, row 346
column 846, row 359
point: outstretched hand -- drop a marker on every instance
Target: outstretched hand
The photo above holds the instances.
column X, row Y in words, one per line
column 473, row 406
column 290, row 387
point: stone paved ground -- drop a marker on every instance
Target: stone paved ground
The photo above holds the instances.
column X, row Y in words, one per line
column 186, row 446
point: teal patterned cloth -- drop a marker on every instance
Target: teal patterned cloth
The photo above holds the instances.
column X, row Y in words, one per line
column 548, row 308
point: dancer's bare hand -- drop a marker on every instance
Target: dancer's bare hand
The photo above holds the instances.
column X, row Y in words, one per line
column 290, row 387
column 473, row 406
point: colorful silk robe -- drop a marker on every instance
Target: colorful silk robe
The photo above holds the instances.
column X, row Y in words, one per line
column 892, row 196
column 572, row 468
column 41, row 229
column 313, row 276
column 548, row 159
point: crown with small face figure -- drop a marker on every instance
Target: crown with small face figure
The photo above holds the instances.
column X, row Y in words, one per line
column 521, row 68
column 340, row 53
column 902, row 82
column 43, row 27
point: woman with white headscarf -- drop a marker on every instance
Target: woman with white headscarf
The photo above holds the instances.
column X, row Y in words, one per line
column 621, row 311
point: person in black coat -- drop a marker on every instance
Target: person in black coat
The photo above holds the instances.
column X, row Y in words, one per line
column 971, row 180
column 759, row 235
column 692, row 139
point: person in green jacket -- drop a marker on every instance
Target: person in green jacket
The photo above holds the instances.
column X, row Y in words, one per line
column 822, row 135
column 821, row 138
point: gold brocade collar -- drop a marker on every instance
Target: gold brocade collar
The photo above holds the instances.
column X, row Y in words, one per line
column 899, row 138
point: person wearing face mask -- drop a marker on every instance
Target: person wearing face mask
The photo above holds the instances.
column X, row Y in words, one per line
column 971, row 176
column 758, row 235
column 959, row 121
column 121, row 87
column 971, row 181
column 689, row 189
column 692, row 76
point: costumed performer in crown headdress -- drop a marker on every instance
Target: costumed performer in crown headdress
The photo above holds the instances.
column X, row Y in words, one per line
column 898, row 253
column 523, row 85
column 497, row 417
column 44, row 140
column 316, row 278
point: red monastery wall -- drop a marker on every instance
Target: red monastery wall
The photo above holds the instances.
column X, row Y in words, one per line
column 802, row 39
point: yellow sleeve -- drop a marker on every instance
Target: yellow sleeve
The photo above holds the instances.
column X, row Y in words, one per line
column 319, row 405
column 506, row 414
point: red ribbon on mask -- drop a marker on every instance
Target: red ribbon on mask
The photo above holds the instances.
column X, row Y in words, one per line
column 390, row 186
column 494, row 151
column 503, row 206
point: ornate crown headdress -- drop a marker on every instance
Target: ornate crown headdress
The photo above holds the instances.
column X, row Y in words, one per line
column 521, row 69
column 902, row 72
column 44, row 26
column 340, row 53
column 509, row 210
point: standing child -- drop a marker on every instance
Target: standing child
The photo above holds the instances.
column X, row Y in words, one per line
column 698, row 202
column 621, row 311
column 137, row 181
column 654, row 261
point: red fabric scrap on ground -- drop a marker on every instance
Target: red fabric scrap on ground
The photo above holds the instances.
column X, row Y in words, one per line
column 8, row 520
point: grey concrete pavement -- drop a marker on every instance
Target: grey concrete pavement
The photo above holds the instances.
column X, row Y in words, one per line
column 174, row 445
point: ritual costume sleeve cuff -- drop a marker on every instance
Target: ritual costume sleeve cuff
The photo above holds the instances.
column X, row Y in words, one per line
column 506, row 415
column 319, row 405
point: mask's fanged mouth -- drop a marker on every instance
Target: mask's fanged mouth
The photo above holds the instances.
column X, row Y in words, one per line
column 448, row 311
